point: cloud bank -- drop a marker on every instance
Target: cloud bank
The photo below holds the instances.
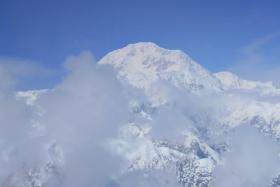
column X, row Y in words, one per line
column 80, row 115
column 251, row 161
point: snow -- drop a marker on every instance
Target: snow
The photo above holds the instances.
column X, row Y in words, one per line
column 231, row 81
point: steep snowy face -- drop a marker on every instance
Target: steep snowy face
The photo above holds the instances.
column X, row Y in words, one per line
column 143, row 64
column 231, row 81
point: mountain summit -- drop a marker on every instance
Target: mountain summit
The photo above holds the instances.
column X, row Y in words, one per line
column 145, row 63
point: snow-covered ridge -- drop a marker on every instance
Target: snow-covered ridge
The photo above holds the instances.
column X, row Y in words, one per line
column 231, row 81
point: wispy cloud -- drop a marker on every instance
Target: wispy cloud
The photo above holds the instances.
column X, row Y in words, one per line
column 253, row 48
column 25, row 73
column 254, row 63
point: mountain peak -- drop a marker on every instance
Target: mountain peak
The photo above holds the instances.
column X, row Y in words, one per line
column 143, row 45
column 149, row 52
column 144, row 63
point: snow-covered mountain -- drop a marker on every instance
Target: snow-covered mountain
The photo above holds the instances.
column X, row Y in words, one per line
column 144, row 65
column 180, row 113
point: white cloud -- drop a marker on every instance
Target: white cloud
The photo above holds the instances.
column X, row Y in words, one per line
column 252, row 160
column 81, row 114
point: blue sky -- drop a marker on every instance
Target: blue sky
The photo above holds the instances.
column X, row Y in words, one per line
column 220, row 35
